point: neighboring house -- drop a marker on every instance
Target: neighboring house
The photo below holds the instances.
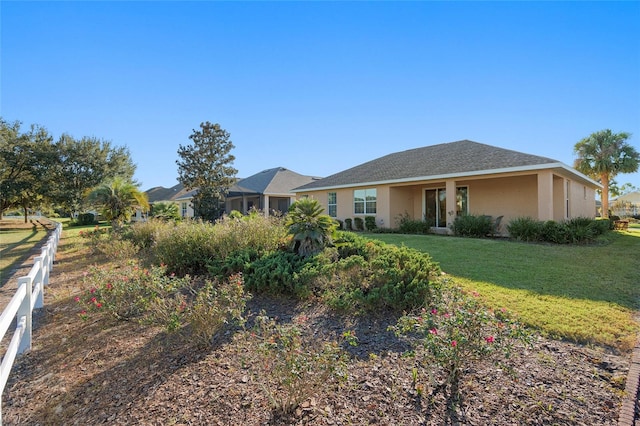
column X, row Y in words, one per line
column 626, row 205
column 269, row 191
column 437, row 183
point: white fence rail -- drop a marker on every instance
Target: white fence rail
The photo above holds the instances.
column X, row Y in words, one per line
column 29, row 296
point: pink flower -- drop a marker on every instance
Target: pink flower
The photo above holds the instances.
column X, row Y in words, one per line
column 94, row 300
column 475, row 294
column 489, row 339
column 109, row 286
column 454, row 343
column 433, row 331
column 434, row 311
column 77, row 299
column 93, row 290
column 447, row 315
column 98, row 305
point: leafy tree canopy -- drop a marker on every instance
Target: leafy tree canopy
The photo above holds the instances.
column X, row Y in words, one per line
column 36, row 171
column 206, row 165
column 602, row 156
column 26, row 162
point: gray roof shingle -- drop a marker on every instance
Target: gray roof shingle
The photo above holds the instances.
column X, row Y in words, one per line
column 436, row 160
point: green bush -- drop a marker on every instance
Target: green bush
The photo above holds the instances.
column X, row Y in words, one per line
column 85, row 219
column 525, row 229
column 358, row 223
column 477, row 226
column 276, row 273
column 348, row 223
column 370, row 223
column 579, row 230
column 407, row 225
column 554, row 232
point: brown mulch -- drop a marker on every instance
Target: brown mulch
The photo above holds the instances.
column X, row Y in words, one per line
column 99, row 371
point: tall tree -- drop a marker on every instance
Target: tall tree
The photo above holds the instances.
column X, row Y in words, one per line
column 118, row 199
column 84, row 164
column 603, row 155
column 206, row 165
column 26, row 162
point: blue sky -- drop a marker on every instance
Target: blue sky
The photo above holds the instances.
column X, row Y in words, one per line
column 318, row 87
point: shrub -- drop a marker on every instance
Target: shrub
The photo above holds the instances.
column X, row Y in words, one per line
column 127, row 292
column 348, row 222
column 144, row 234
column 407, row 225
column 289, row 368
column 358, row 223
column 217, row 305
column 555, row 232
column 85, row 219
column 525, row 229
column 191, row 247
column 454, row 334
column 276, row 273
column 370, row 223
column 477, row 226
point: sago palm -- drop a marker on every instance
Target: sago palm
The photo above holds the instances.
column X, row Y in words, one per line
column 311, row 230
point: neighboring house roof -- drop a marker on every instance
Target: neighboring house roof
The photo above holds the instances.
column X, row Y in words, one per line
column 160, row 193
column 631, row 197
column 276, row 181
column 453, row 159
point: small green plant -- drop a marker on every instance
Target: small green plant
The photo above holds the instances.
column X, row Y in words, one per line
column 525, row 229
column 477, row 226
column 290, row 370
column 370, row 223
column 217, row 305
column 358, row 223
column 348, row 223
column 407, row 225
column 85, row 219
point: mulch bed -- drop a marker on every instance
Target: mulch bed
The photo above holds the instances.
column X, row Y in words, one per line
column 99, row 371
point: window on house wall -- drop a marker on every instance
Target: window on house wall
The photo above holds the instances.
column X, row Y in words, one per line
column 567, row 212
column 364, row 201
column 184, row 209
column 332, row 204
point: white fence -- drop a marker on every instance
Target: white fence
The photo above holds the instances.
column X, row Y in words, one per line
column 29, row 296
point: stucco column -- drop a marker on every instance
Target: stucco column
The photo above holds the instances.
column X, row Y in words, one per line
column 451, row 202
column 266, row 205
column 545, row 195
column 244, row 204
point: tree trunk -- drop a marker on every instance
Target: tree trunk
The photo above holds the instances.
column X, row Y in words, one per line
column 26, row 211
column 604, row 180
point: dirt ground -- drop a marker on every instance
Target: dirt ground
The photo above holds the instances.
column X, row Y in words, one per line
column 99, row 371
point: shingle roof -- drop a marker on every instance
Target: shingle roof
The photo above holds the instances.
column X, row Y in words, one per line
column 271, row 182
column 461, row 157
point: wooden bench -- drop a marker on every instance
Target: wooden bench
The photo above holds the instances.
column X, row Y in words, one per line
column 621, row 225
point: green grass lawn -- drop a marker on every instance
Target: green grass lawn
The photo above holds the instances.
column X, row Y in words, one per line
column 586, row 294
column 15, row 245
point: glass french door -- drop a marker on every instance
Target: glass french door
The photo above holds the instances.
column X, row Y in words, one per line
column 436, row 207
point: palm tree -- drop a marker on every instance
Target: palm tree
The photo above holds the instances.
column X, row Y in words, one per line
column 311, row 229
column 165, row 211
column 118, row 199
column 604, row 154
